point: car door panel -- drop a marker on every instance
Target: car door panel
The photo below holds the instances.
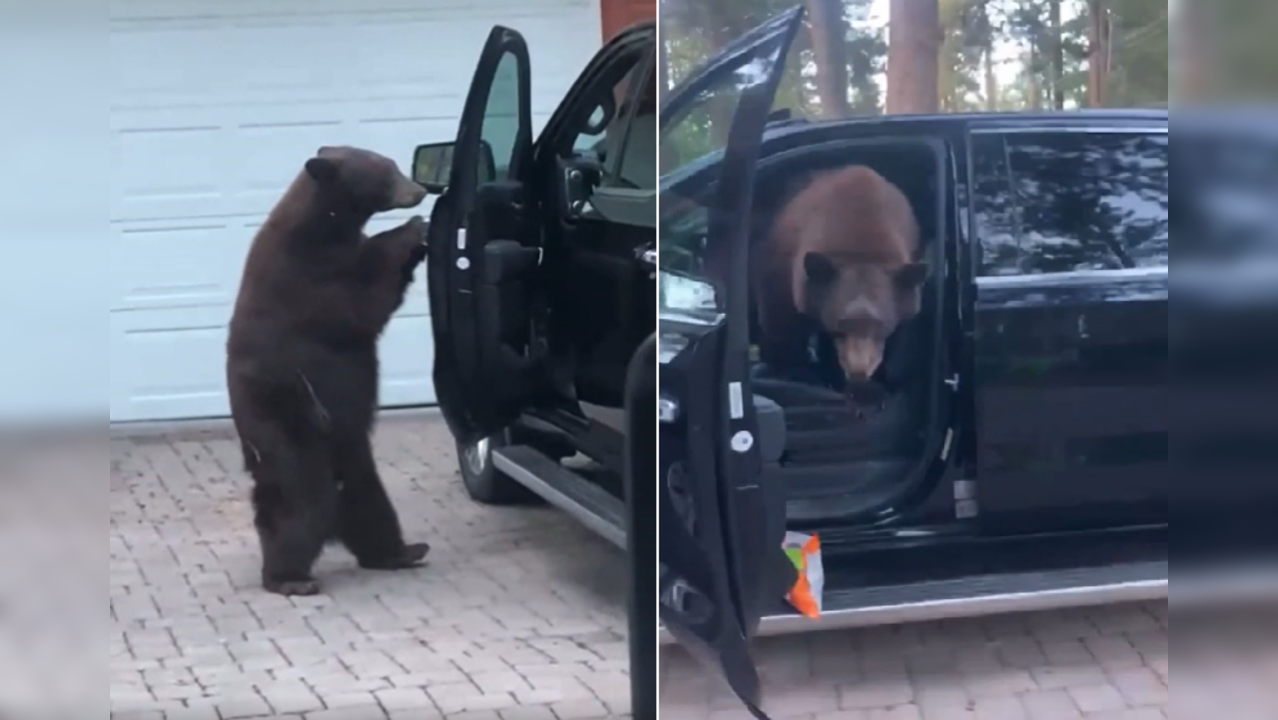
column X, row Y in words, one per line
column 1072, row 352
column 609, row 303
column 1075, row 400
column 589, row 264
column 721, row 527
column 602, row 237
column 481, row 380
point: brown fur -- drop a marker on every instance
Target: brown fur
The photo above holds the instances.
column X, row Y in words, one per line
column 841, row 252
column 302, row 370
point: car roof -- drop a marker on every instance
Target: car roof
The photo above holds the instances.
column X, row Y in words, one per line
column 923, row 124
column 1020, row 117
column 950, row 121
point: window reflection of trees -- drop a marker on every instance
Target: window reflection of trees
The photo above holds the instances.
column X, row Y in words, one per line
column 997, row 225
column 1067, row 202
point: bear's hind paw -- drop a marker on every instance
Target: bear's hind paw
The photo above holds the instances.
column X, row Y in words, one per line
column 409, row 556
column 306, row 587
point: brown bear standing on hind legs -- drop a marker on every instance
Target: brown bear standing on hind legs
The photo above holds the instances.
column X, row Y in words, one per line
column 840, row 254
column 302, row 368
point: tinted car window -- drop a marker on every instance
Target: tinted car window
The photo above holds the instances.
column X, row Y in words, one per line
column 685, row 142
column 630, row 159
column 1070, row 201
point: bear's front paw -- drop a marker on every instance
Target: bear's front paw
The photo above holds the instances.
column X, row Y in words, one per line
column 409, row 556
column 417, row 256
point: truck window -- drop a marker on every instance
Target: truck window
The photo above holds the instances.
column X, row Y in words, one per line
column 1059, row 202
column 630, row 157
column 686, row 144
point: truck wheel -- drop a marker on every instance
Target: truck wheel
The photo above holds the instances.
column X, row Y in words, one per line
column 485, row 483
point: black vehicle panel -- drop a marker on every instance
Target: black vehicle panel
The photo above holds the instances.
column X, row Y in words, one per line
column 1073, row 401
column 1083, row 441
column 1071, row 361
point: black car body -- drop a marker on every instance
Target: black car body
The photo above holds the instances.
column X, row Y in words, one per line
column 1029, row 462
column 542, row 276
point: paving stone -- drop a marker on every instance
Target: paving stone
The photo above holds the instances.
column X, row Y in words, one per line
column 1105, row 662
column 509, row 597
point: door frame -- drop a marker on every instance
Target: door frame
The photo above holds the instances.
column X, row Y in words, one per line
column 565, row 113
column 468, row 403
column 729, row 548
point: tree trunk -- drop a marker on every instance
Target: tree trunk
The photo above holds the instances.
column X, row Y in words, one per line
column 914, row 44
column 1034, row 86
column 991, row 79
column 830, row 50
column 1097, row 52
column 1056, row 74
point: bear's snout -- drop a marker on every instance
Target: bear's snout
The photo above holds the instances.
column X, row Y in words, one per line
column 410, row 195
column 860, row 357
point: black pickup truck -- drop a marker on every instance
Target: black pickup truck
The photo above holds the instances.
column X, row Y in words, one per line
column 1025, row 460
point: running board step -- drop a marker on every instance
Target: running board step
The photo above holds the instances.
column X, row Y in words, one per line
column 976, row 596
column 591, row 505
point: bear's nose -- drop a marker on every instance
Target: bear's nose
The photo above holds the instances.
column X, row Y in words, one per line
column 858, row 383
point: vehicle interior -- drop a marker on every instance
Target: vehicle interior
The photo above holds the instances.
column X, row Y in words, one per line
column 835, row 458
column 535, row 344
column 600, row 295
column 598, row 292
column 605, row 311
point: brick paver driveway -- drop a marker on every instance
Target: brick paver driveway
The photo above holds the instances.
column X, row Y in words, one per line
column 519, row 614
column 1107, row 663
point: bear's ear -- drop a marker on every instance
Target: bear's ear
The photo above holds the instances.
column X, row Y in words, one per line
column 321, row 170
column 911, row 276
column 819, row 269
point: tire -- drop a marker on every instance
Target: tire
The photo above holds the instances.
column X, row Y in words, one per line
column 486, row 484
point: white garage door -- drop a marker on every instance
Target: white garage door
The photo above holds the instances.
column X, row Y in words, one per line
column 214, row 107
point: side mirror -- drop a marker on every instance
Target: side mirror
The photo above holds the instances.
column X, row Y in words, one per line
column 433, row 164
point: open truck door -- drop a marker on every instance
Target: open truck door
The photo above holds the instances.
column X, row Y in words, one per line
column 721, row 563
column 482, row 249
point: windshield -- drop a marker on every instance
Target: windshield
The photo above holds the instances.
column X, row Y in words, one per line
column 696, row 119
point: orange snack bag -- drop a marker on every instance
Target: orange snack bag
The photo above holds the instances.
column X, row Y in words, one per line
column 805, row 552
